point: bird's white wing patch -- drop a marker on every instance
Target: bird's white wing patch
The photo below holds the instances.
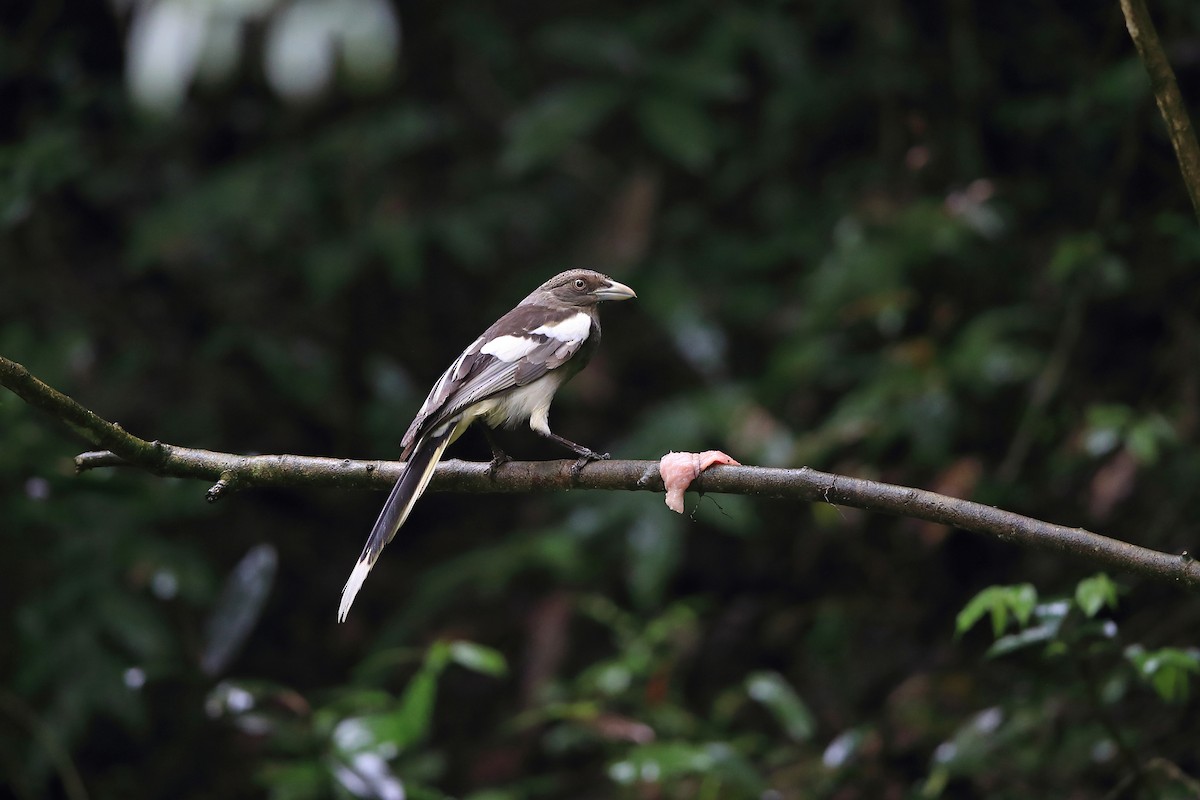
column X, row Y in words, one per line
column 516, row 359
column 574, row 328
column 510, row 348
column 513, row 347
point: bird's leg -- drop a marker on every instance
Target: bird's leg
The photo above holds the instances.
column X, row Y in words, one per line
column 498, row 455
column 585, row 454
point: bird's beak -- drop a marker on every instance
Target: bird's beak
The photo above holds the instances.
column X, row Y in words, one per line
column 614, row 291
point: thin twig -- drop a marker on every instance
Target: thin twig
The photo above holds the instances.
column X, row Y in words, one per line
column 232, row 471
column 1173, row 772
column 1166, row 94
column 1045, row 387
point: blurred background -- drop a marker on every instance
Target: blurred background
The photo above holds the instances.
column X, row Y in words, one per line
column 938, row 244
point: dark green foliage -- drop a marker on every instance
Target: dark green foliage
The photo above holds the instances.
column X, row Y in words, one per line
column 939, row 245
column 1069, row 630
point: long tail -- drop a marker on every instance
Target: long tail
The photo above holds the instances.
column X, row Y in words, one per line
column 408, row 489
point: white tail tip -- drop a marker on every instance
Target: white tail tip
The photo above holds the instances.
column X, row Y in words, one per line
column 350, row 590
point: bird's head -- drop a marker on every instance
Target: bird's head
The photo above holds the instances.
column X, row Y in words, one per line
column 583, row 287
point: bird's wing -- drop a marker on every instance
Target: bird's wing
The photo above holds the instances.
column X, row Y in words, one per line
column 519, row 348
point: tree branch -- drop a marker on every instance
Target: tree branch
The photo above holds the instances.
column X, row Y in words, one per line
column 238, row 471
column 1166, row 94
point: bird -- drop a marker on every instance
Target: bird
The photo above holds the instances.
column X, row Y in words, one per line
column 505, row 377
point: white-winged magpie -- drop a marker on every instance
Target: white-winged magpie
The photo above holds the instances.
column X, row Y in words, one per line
column 507, row 375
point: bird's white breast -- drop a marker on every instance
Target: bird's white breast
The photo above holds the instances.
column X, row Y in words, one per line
column 531, row 401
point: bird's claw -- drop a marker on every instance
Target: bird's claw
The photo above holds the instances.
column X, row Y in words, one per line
column 494, row 464
column 585, row 459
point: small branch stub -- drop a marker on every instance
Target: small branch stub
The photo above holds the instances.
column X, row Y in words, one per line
column 218, row 489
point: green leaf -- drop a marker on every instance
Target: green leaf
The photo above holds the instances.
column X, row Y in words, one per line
column 478, row 658
column 1037, row 634
column 1049, row 618
column 1146, row 437
column 1171, row 684
column 1108, row 415
column 774, row 692
column 438, row 656
column 975, row 743
column 844, row 749
column 609, row 678
column 1022, row 601
column 560, row 117
column 405, row 725
column 999, row 615
column 1086, row 259
column 1168, row 670
column 1094, row 593
column 416, row 704
column 679, row 129
column 1106, row 424
column 294, row 780
column 392, row 731
column 662, row 762
column 974, row 610
column 998, row 602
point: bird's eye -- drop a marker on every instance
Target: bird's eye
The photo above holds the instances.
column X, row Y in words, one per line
column 579, row 284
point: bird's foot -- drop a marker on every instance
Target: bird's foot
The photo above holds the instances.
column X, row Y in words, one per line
column 498, row 455
column 497, row 459
column 586, row 457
